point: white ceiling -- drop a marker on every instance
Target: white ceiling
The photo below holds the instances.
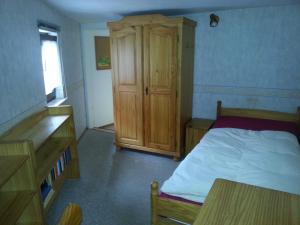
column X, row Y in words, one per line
column 103, row 10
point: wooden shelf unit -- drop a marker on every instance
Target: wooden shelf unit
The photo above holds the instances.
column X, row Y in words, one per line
column 56, row 187
column 13, row 203
column 48, row 155
column 18, row 195
column 28, row 152
column 9, row 165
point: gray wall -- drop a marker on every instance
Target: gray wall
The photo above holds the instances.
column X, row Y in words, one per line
column 251, row 59
column 21, row 76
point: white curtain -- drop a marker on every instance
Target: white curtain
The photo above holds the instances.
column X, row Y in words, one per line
column 51, row 65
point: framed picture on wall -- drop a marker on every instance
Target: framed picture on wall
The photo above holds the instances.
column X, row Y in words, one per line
column 102, row 50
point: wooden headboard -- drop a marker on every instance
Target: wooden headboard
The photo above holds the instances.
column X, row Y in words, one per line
column 258, row 113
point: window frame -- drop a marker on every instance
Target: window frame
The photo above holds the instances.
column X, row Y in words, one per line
column 52, row 98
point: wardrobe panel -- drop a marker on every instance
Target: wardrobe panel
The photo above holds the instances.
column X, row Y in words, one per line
column 128, row 106
column 127, row 60
column 161, row 49
column 127, row 82
column 160, row 55
column 161, row 122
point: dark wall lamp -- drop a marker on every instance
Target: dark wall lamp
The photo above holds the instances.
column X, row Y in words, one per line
column 214, row 20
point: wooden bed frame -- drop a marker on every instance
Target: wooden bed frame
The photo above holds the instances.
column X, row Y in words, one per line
column 167, row 211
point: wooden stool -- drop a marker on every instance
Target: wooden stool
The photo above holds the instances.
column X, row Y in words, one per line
column 72, row 215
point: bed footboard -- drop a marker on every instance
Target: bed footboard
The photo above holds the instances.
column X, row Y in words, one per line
column 168, row 211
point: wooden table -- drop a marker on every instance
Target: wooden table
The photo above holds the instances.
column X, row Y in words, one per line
column 232, row 203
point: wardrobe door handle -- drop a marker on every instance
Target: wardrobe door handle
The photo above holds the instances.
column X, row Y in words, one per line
column 146, row 90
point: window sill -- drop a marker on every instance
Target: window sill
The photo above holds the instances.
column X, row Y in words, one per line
column 57, row 102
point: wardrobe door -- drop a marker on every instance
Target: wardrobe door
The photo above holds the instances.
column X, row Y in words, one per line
column 127, row 85
column 160, row 69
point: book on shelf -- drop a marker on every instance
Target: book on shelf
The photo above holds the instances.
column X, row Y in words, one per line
column 45, row 189
column 47, row 199
column 58, row 168
column 47, row 185
column 61, row 164
column 49, row 180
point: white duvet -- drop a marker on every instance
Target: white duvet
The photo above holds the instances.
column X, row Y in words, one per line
column 269, row 159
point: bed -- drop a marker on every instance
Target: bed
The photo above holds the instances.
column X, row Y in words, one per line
column 239, row 148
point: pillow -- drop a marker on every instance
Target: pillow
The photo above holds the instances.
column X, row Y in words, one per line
column 255, row 124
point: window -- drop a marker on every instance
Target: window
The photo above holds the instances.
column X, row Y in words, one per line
column 52, row 66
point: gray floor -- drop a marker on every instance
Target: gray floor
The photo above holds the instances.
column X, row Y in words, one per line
column 114, row 186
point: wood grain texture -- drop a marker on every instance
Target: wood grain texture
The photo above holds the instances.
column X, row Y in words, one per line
column 167, row 221
column 257, row 113
column 177, row 210
column 154, row 203
column 49, row 153
column 56, row 187
column 158, row 49
column 160, row 73
column 33, row 212
column 41, row 139
column 12, row 205
column 67, row 130
column 142, row 20
column 24, row 179
column 39, row 132
column 147, row 149
column 234, row 203
column 126, row 50
column 59, row 110
column 72, row 215
column 24, row 124
column 165, row 211
column 195, row 130
column 9, row 165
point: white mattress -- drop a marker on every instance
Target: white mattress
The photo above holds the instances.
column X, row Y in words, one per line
column 269, row 159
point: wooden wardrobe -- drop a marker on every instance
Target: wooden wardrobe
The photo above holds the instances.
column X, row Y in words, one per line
column 152, row 64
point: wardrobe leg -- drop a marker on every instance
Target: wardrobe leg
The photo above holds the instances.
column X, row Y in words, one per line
column 176, row 158
column 118, row 147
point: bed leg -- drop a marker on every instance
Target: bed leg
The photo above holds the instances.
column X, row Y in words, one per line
column 154, row 198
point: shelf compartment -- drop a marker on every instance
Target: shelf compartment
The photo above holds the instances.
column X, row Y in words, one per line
column 56, row 187
column 9, row 165
column 48, row 155
column 12, row 205
column 39, row 132
column 43, row 137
